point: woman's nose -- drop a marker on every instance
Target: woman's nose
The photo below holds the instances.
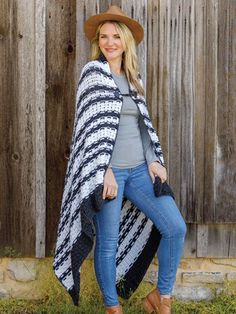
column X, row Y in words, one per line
column 110, row 41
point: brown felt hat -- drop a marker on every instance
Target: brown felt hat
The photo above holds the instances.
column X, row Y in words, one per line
column 114, row 13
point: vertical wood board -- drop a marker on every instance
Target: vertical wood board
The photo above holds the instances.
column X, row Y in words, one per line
column 60, row 100
column 18, row 127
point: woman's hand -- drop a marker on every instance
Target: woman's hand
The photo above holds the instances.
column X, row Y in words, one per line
column 110, row 186
column 156, row 169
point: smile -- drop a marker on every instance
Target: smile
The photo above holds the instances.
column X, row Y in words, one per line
column 110, row 50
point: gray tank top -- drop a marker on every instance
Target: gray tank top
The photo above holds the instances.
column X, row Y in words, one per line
column 133, row 144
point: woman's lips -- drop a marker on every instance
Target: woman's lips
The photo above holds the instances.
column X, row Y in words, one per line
column 109, row 50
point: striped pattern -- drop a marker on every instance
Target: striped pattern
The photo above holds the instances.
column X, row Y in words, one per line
column 98, row 107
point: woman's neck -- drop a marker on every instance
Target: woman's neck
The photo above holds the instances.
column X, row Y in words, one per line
column 116, row 68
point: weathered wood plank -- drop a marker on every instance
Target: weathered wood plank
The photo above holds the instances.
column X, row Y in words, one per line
column 104, row 4
column 190, row 246
column 24, row 198
column 226, row 114
column 202, row 240
column 210, row 32
column 162, row 99
column 199, row 108
column 138, row 11
column 18, row 132
column 187, row 108
column 175, row 84
column 7, row 97
column 84, row 9
column 158, row 63
column 60, row 99
column 40, row 126
column 216, row 240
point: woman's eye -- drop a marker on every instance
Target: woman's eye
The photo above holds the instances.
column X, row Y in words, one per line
column 103, row 36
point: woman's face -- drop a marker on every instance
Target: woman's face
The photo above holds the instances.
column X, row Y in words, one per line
column 110, row 42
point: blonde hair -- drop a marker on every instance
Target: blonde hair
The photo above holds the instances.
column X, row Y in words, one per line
column 129, row 58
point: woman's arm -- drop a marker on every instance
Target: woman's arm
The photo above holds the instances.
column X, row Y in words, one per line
column 155, row 167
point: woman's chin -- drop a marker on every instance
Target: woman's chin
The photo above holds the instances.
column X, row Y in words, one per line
column 111, row 57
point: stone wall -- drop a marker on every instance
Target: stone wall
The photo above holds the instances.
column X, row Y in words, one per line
column 19, row 277
column 197, row 279
column 200, row 278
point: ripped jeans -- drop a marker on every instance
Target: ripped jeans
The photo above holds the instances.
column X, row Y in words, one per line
column 136, row 185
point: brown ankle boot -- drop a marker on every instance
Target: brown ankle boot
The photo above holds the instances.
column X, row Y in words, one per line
column 152, row 303
column 117, row 309
column 165, row 307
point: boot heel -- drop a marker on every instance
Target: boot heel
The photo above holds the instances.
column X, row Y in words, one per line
column 148, row 307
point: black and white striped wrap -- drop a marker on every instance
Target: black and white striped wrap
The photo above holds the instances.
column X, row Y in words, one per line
column 98, row 107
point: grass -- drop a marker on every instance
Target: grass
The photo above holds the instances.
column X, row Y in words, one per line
column 55, row 299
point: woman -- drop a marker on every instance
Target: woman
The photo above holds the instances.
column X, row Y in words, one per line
column 115, row 160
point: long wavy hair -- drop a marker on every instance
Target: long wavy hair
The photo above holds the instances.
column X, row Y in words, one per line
column 129, row 57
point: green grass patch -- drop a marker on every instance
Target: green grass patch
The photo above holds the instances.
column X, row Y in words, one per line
column 55, row 299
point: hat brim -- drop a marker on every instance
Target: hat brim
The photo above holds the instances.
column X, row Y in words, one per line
column 92, row 23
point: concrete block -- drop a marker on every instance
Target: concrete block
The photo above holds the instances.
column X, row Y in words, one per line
column 203, row 277
column 192, row 293
column 4, row 293
column 22, row 270
column 231, row 276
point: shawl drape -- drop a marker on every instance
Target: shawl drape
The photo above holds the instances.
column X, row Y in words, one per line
column 97, row 114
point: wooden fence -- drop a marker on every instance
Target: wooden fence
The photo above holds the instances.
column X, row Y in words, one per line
column 188, row 62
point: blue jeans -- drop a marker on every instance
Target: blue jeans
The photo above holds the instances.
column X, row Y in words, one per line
column 136, row 185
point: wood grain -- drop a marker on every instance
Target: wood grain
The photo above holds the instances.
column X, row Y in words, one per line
column 216, row 240
column 17, row 127
column 190, row 244
column 138, row 10
column 225, row 155
column 60, row 99
column 84, row 9
column 210, row 110
column 40, row 127
column 199, row 108
column 175, row 110
column 187, row 109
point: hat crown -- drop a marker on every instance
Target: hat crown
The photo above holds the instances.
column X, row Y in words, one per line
column 113, row 9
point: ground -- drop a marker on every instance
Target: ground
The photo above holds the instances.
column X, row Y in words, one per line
column 55, row 299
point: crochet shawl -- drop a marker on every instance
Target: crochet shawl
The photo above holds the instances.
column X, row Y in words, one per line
column 97, row 114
